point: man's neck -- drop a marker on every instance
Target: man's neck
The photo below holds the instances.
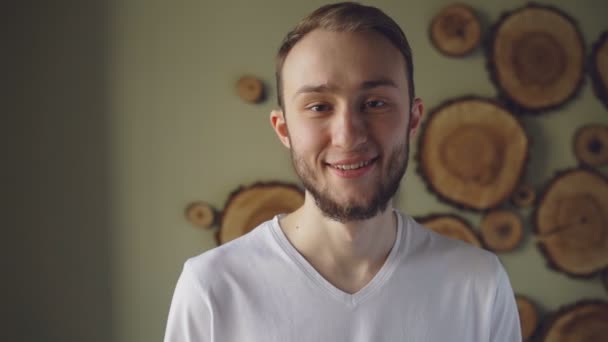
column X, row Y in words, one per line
column 347, row 254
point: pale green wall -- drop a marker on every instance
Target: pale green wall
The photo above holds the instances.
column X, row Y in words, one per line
column 181, row 134
column 130, row 113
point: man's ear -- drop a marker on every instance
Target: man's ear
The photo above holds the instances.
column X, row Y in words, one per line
column 278, row 123
column 416, row 116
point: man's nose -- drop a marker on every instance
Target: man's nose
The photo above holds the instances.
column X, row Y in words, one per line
column 350, row 128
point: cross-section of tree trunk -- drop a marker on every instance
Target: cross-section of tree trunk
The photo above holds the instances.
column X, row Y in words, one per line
column 247, row 207
column 250, row 89
column 472, row 153
column 455, row 31
column 536, row 57
column 599, row 68
column 583, row 321
column 452, row 226
column 501, row 230
column 201, row 215
column 572, row 224
column 528, row 316
column 524, row 196
column 591, row 145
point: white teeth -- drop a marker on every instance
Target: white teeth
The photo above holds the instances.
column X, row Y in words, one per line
column 352, row 166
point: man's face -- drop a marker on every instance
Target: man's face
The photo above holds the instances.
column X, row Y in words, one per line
column 347, row 119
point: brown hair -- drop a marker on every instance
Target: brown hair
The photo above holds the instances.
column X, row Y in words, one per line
column 346, row 17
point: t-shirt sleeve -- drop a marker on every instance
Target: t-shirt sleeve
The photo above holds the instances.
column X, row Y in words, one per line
column 505, row 325
column 190, row 314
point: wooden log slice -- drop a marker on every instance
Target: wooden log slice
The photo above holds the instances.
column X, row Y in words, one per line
column 201, row 215
column 572, row 224
column 455, row 31
column 599, row 68
column 452, row 226
column 250, row 89
column 583, row 321
column 536, row 57
column 247, row 207
column 501, row 230
column 524, row 196
column 472, row 153
column 528, row 316
column 591, row 145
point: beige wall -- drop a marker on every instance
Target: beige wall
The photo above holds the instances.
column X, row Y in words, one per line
column 181, row 134
column 131, row 114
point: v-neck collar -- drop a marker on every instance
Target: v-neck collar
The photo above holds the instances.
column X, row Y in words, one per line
column 380, row 278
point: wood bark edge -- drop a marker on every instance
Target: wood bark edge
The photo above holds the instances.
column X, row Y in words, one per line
column 530, row 319
column 234, row 194
column 476, row 241
column 502, row 94
column 552, row 318
column 418, row 155
column 599, row 87
column 494, row 237
column 439, row 16
column 549, row 262
column 201, row 215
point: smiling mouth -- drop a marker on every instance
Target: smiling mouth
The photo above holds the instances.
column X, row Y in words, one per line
column 353, row 166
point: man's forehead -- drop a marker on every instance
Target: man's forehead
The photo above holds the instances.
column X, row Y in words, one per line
column 329, row 58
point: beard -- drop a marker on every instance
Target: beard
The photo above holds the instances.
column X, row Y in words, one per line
column 385, row 187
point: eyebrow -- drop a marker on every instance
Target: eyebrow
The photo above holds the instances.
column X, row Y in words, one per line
column 325, row 88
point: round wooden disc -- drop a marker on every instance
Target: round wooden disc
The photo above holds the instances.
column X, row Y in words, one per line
column 537, row 57
column 501, row 230
column 528, row 316
column 584, row 321
column 452, row 226
column 472, row 153
column 250, row 89
column 572, row 224
column 591, row 145
column 200, row 214
column 247, row 207
column 524, row 196
column 599, row 68
column 455, row 31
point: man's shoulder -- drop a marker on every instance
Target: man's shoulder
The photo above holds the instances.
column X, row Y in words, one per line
column 231, row 257
column 457, row 254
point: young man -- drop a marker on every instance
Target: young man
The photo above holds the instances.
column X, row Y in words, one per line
column 346, row 266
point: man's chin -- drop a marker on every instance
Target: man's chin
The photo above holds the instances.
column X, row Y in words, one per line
column 348, row 211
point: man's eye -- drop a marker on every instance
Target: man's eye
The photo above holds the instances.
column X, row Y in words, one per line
column 375, row 104
column 319, row 108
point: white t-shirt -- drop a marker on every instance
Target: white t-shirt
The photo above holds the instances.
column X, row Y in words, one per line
column 259, row 288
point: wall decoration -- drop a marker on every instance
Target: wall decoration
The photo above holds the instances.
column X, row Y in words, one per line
column 524, row 196
column 572, row 224
column 472, row 152
column 591, row 145
column 250, row 89
column 583, row 321
column 599, row 68
column 452, row 226
column 249, row 206
column 201, row 215
column 536, row 57
column 528, row 316
column 501, row 230
column 455, row 31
